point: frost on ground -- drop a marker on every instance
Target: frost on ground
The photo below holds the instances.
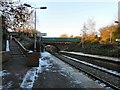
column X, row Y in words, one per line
column 33, row 73
column 45, row 63
column 95, row 56
column 2, row 74
column 76, row 76
column 95, row 66
column 66, row 70
column 7, row 45
column 6, row 86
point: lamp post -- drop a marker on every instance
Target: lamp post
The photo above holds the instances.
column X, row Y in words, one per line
column 111, row 36
column 35, row 21
column 83, row 35
column 82, row 40
column 112, row 31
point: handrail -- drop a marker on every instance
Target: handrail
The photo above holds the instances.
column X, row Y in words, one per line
column 31, row 57
column 24, row 50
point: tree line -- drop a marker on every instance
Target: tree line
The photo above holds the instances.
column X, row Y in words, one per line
column 107, row 34
column 15, row 17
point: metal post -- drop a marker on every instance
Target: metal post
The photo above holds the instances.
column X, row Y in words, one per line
column 40, row 42
column 83, row 33
column 35, row 33
column 35, row 38
column 110, row 37
column 82, row 41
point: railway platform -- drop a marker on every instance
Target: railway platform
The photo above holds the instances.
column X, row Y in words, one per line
column 95, row 56
column 57, row 74
column 52, row 73
column 14, row 69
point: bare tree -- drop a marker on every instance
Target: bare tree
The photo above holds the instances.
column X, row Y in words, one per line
column 84, row 34
column 90, row 25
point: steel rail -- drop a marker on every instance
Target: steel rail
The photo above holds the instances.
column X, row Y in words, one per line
column 96, row 61
column 97, row 67
column 90, row 74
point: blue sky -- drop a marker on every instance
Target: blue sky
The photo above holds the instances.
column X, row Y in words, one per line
column 62, row 17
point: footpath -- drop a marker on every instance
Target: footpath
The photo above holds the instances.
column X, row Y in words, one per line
column 50, row 76
column 15, row 68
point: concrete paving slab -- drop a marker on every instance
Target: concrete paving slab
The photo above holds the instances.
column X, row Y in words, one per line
column 62, row 75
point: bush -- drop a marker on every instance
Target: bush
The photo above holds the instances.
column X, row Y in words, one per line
column 97, row 49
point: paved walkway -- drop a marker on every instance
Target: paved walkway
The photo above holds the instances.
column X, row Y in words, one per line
column 57, row 74
column 16, row 67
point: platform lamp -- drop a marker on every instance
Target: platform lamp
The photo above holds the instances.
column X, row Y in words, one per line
column 35, row 21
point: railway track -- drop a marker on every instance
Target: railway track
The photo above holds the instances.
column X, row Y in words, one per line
column 106, row 63
column 110, row 79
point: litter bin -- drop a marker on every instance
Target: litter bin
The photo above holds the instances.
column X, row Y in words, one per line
column 33, row 59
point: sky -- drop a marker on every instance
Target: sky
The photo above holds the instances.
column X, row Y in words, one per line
column 68, row 17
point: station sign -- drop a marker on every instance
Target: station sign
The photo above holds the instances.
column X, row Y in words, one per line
column 41, row 34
